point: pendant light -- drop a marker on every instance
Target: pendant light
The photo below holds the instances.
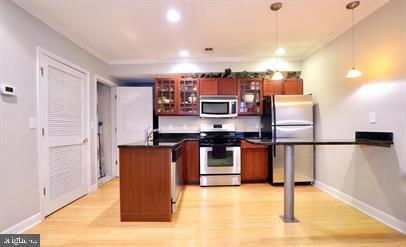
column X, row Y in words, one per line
column 353, row 73
column 275, row 7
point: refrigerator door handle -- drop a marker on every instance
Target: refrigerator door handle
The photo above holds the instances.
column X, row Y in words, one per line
column 273, row 117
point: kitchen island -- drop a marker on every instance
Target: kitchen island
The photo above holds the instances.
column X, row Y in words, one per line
column 147, row 189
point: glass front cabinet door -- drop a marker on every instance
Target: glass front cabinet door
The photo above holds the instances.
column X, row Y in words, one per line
column 165, row 96
column 188, row 103
column 250, row 96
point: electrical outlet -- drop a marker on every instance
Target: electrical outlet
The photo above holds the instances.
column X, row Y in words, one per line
column 257, row 125
column 372, row 117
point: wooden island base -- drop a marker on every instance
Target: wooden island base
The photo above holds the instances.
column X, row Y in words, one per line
column 145, row 191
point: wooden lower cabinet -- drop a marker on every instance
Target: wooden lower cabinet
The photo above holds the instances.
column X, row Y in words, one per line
column 254, row 163
column 191, row 163
column 145, row 184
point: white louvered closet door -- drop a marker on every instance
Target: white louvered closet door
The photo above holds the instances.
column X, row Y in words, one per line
column 62, row 104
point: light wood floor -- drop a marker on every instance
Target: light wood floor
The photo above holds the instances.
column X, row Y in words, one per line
column 218, row 216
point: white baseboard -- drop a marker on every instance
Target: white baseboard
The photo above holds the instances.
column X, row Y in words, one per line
column 24, row 225
column 105, row 180
column 375, row 213
column 93, row 188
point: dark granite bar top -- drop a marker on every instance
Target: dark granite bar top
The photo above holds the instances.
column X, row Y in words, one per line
column 382, row 139
column 292, row 141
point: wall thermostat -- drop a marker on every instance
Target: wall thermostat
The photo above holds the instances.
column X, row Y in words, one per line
column 8, row 90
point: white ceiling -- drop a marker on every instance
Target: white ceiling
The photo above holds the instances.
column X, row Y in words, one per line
column 124, row 31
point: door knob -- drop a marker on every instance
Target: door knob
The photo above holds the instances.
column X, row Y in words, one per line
column 85, row 140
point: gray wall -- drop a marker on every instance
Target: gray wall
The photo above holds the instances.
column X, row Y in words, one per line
column 20, row 33
column 373, row 175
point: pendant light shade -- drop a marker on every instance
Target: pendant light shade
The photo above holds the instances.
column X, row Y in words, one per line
column 275, row 7
column 353, row 73
column 277, row 76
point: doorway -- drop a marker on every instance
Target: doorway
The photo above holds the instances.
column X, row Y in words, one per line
column 106, row 148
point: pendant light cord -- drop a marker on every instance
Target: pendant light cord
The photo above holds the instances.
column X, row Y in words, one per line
column 353, row 40
column 276, row 28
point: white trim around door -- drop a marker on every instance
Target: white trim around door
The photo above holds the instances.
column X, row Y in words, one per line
column 42, row 159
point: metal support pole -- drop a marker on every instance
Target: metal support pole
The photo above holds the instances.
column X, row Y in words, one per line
column 289, row 185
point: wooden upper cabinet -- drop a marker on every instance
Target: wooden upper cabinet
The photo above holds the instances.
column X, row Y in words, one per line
column 227, row 86
column 166, row 96
column 209, row 86
column 188, row 96
column 250, row 95
column 272, row 87
column 293, row 86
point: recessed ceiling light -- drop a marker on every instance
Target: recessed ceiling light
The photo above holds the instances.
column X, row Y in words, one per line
column 280, row 51
column 184, row 53
column 173, row 15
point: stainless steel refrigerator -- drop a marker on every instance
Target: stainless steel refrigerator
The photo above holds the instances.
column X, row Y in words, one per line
column 289, row 116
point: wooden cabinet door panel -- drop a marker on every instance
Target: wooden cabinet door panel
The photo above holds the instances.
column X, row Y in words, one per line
column 166, row 96
column 191, row 166
column 254, row 163
column 293, row 86
column 209, row 86
column 227, row 86
column 188, row 96
column 272, row 87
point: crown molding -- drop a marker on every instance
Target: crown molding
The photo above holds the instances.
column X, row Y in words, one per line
column 341, row 30
column 52, row 24
column 200, row 60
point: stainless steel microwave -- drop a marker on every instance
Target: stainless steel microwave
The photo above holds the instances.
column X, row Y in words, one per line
column 218, row 106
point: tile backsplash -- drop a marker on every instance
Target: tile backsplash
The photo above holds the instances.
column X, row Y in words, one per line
column 191, row 124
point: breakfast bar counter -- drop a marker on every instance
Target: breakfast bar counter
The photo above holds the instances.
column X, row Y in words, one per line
column 362, row 138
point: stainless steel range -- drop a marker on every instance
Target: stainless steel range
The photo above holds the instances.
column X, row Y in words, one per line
column 220, row 155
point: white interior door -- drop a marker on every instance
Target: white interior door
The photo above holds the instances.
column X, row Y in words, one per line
column 63, row 101
column 134, row 113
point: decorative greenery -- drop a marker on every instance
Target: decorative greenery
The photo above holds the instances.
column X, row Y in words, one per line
column 244, row 74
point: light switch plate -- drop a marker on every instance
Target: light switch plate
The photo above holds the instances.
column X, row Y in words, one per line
column 92, row 125
column 32, row 122
column 372, row 117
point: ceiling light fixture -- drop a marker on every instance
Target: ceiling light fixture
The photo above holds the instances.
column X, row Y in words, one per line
column 275, row 7
column 173, row 15
column 184, row 53
column 280, row 51
column 353, row 73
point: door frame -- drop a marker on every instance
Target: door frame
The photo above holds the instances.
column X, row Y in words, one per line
column 40, row 141
column 114, row 168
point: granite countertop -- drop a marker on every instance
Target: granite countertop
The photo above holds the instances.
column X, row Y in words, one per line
column 160, row 143
column 294, row 141
column 383, row 139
